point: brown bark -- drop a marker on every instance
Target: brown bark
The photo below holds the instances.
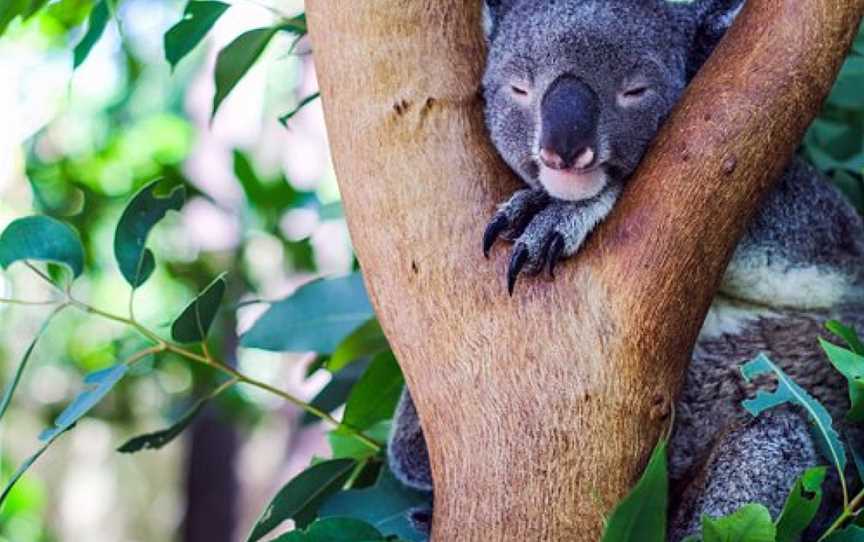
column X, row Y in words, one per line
column 540, row 409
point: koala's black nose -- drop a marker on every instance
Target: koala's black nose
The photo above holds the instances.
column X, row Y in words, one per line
column 568, row 117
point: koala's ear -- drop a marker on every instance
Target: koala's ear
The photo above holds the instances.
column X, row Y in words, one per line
column 713, row 19
column 493, row 11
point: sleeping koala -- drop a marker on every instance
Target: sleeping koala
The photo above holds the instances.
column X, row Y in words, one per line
column 575, row 92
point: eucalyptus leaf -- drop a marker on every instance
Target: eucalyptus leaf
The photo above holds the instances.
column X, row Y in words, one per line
column 366, row 340
column 97, row 385
column 9, row 10
column 376, row 394
column 788, row 392
column 344, row 445
column 16, row 378
column 96, row 24
column 336, row 392
column 236, row 58
column 302, row 497
column 158, row 439
column 851, row 366
column 848, row 334
column 194, row 322
column 386, row 506
column 752, row 523
column 314, row 319
column 641, row 516
column 144, row 211
column 198, row 18
column 801, row 505
column 42, row 238
column 334, row 530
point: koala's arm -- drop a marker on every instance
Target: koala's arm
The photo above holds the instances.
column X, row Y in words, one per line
column 757, row 463
column 407, row 454
column 804, row 249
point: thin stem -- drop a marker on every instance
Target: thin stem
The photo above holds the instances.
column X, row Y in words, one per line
column 163, row 345
column 848, row 512
column 138, row 356
column 42, row 275
column 371, row 443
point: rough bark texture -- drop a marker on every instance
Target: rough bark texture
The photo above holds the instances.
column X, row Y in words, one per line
column 540, row 409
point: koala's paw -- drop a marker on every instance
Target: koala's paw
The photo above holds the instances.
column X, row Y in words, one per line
column 551, row 234
column 513, row 216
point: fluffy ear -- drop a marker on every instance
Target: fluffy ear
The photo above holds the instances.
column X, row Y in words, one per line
column 493, row 11
column 713, row 19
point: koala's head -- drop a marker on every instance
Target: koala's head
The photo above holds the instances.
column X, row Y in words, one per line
column 577, row 89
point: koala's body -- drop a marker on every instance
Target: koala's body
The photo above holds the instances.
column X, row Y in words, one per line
column 575, row 91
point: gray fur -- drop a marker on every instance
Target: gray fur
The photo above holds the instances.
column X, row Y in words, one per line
column 800, row 263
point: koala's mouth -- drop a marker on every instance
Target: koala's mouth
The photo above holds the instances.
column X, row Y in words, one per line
column 573, row 184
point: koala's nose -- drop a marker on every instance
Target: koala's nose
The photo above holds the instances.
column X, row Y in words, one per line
column 583, row 159
column 568, row 114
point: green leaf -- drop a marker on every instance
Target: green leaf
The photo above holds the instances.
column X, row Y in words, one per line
column 16, row 476
column 44, row 239
column 853, row 533
column 9, row 10
column 95, row 28
column 334, row 530
column 142, row 213
column 97, row 386
column 752, row 523
column 236, row 58
column 194, row 322
column 848, row 334
column 801, row 505
column 376, row 394
column 284, row 119
column 366, row 340
column 158, row 439
column 16, row 378
column 198, row 18
column 851, row 366
column 314, row 319
column 301, row 498
column 343, row 445
column 386, row 506
column 788, row 392
column 336, row 392
column 641, row 516
column 295, row 25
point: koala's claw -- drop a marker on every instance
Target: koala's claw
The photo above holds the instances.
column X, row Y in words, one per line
column 554, row 252
column 498, row 224
column 517, row 262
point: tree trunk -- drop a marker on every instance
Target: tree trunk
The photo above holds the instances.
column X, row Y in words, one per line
column 540, row 409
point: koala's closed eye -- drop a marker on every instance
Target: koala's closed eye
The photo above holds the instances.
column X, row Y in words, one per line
column 520, row 91
column 634, row 93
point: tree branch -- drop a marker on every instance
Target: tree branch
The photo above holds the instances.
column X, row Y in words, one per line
column 540, row 409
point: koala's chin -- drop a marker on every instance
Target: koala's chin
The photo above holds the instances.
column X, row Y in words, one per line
column 570, row 185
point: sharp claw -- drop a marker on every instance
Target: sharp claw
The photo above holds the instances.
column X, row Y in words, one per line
column 517, row 262
column 553, row 255
column 498, row 224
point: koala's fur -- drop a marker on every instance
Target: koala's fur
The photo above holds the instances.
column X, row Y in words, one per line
column 799, row 264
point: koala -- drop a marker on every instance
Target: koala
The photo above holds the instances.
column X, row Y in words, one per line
column 575, row 91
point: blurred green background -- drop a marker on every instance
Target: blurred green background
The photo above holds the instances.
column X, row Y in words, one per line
column 75, row 145
column 263, row 205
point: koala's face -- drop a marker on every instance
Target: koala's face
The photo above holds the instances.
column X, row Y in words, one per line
column 577, row 89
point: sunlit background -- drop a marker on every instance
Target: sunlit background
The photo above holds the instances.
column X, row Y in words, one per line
column 76, row 145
